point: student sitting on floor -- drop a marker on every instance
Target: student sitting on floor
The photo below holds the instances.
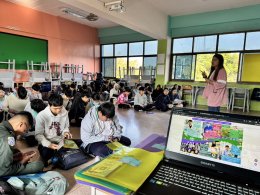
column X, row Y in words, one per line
column 2, row 100
column 175, row 98
column 163, row 102
column 73, row 89
column 99, row 127
column 114, row 93
column 148, row 94
column 12, row 161
column 52, row 126
column 140, row 102
column 35, row 92
column 158, row 91
column 67, row 97
column 16, row 103
column 78, row 108
column 33, row 107
column 136, row 89
column 122, row 99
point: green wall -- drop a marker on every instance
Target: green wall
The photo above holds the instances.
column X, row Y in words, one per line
column 22, row 49
column 231, row 20
column 162, row 49
column 120, row 34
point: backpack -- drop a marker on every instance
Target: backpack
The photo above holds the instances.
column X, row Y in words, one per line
column 256, row 94
column 6, row 188
column 48, row 183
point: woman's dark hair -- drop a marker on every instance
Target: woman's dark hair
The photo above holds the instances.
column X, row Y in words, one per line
column 107, row 109
column 55, row 100
column 36, row 87
column 158, row 86
column 1, row 88
column 220, row 66
column 38, row 105
column 22, row 92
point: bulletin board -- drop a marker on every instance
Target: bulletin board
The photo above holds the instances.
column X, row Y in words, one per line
column 251, row 68
column 21, row 49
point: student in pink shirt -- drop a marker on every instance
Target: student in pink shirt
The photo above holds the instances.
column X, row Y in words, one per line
column 122, row 99
column 216, row 89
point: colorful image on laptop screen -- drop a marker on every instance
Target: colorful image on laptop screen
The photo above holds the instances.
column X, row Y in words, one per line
column 213, row 139
column 220, row 141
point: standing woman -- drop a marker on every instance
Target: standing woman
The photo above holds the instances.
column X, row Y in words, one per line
column 216, row 88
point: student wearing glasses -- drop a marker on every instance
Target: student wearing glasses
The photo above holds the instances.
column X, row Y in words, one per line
column 12, row 161
column 99, row 127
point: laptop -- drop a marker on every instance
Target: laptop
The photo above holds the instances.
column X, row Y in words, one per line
column 208, row 153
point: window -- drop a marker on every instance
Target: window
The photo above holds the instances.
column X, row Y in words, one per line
column 121, row 67
column 231, row 42
column 205, row 44
column 107, row 50
column 134, row 64
column 253, row 41
column 231, row 63
column 183, row 45
column 118, row 59
column 121, row 49
column 203, row 63
column 108, row 67
column 184, row 67
column 136, row 49
column 149, row 64
column 150, row 47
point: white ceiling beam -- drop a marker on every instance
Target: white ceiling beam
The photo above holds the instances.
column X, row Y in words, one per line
column 140, row 16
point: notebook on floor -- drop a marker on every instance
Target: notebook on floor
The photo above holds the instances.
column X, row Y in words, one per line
column 208, row 153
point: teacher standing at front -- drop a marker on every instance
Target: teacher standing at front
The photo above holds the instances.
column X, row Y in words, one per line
column 216, row 89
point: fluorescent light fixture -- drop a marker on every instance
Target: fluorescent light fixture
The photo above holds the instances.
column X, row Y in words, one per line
column 77, row 14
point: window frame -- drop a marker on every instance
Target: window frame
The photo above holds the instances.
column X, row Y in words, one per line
column 127, row 56
column 241, row 53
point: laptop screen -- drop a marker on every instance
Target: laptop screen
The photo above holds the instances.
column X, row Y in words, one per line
column 214, row 140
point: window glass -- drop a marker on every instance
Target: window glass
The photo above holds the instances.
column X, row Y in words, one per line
column 182, row 45
column 231, row 42
column 205, row 44
column 121, row 49
column 108, row 67
column 136, row 49
column 107, row 50
column 134, row 64
column 253, row 41
column 184, row 67
column 150, row 47
column 121, row 67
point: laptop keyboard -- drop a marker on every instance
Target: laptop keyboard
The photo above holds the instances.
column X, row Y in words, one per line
column 167, row 175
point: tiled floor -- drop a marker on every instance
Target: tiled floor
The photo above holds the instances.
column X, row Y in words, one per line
column 137, row 126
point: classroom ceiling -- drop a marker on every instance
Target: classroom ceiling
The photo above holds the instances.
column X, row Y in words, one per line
column 185, row 7
column 54, row 7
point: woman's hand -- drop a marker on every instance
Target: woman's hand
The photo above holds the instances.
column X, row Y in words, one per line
column 204, row 75
column 209, row 81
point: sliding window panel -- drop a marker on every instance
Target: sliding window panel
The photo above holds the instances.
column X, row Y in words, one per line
column 184, row 67
column 134, row 64
column 182, row 45
column 203, row 63
column 121, row 49
column 108, row 67
column 231, row 64
column 231, row 42
column 149, row 64
column 253, row 41
column 150, row 47
column 107, row 50
column 205, row 43
column 121, row 67
column 136, row 49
